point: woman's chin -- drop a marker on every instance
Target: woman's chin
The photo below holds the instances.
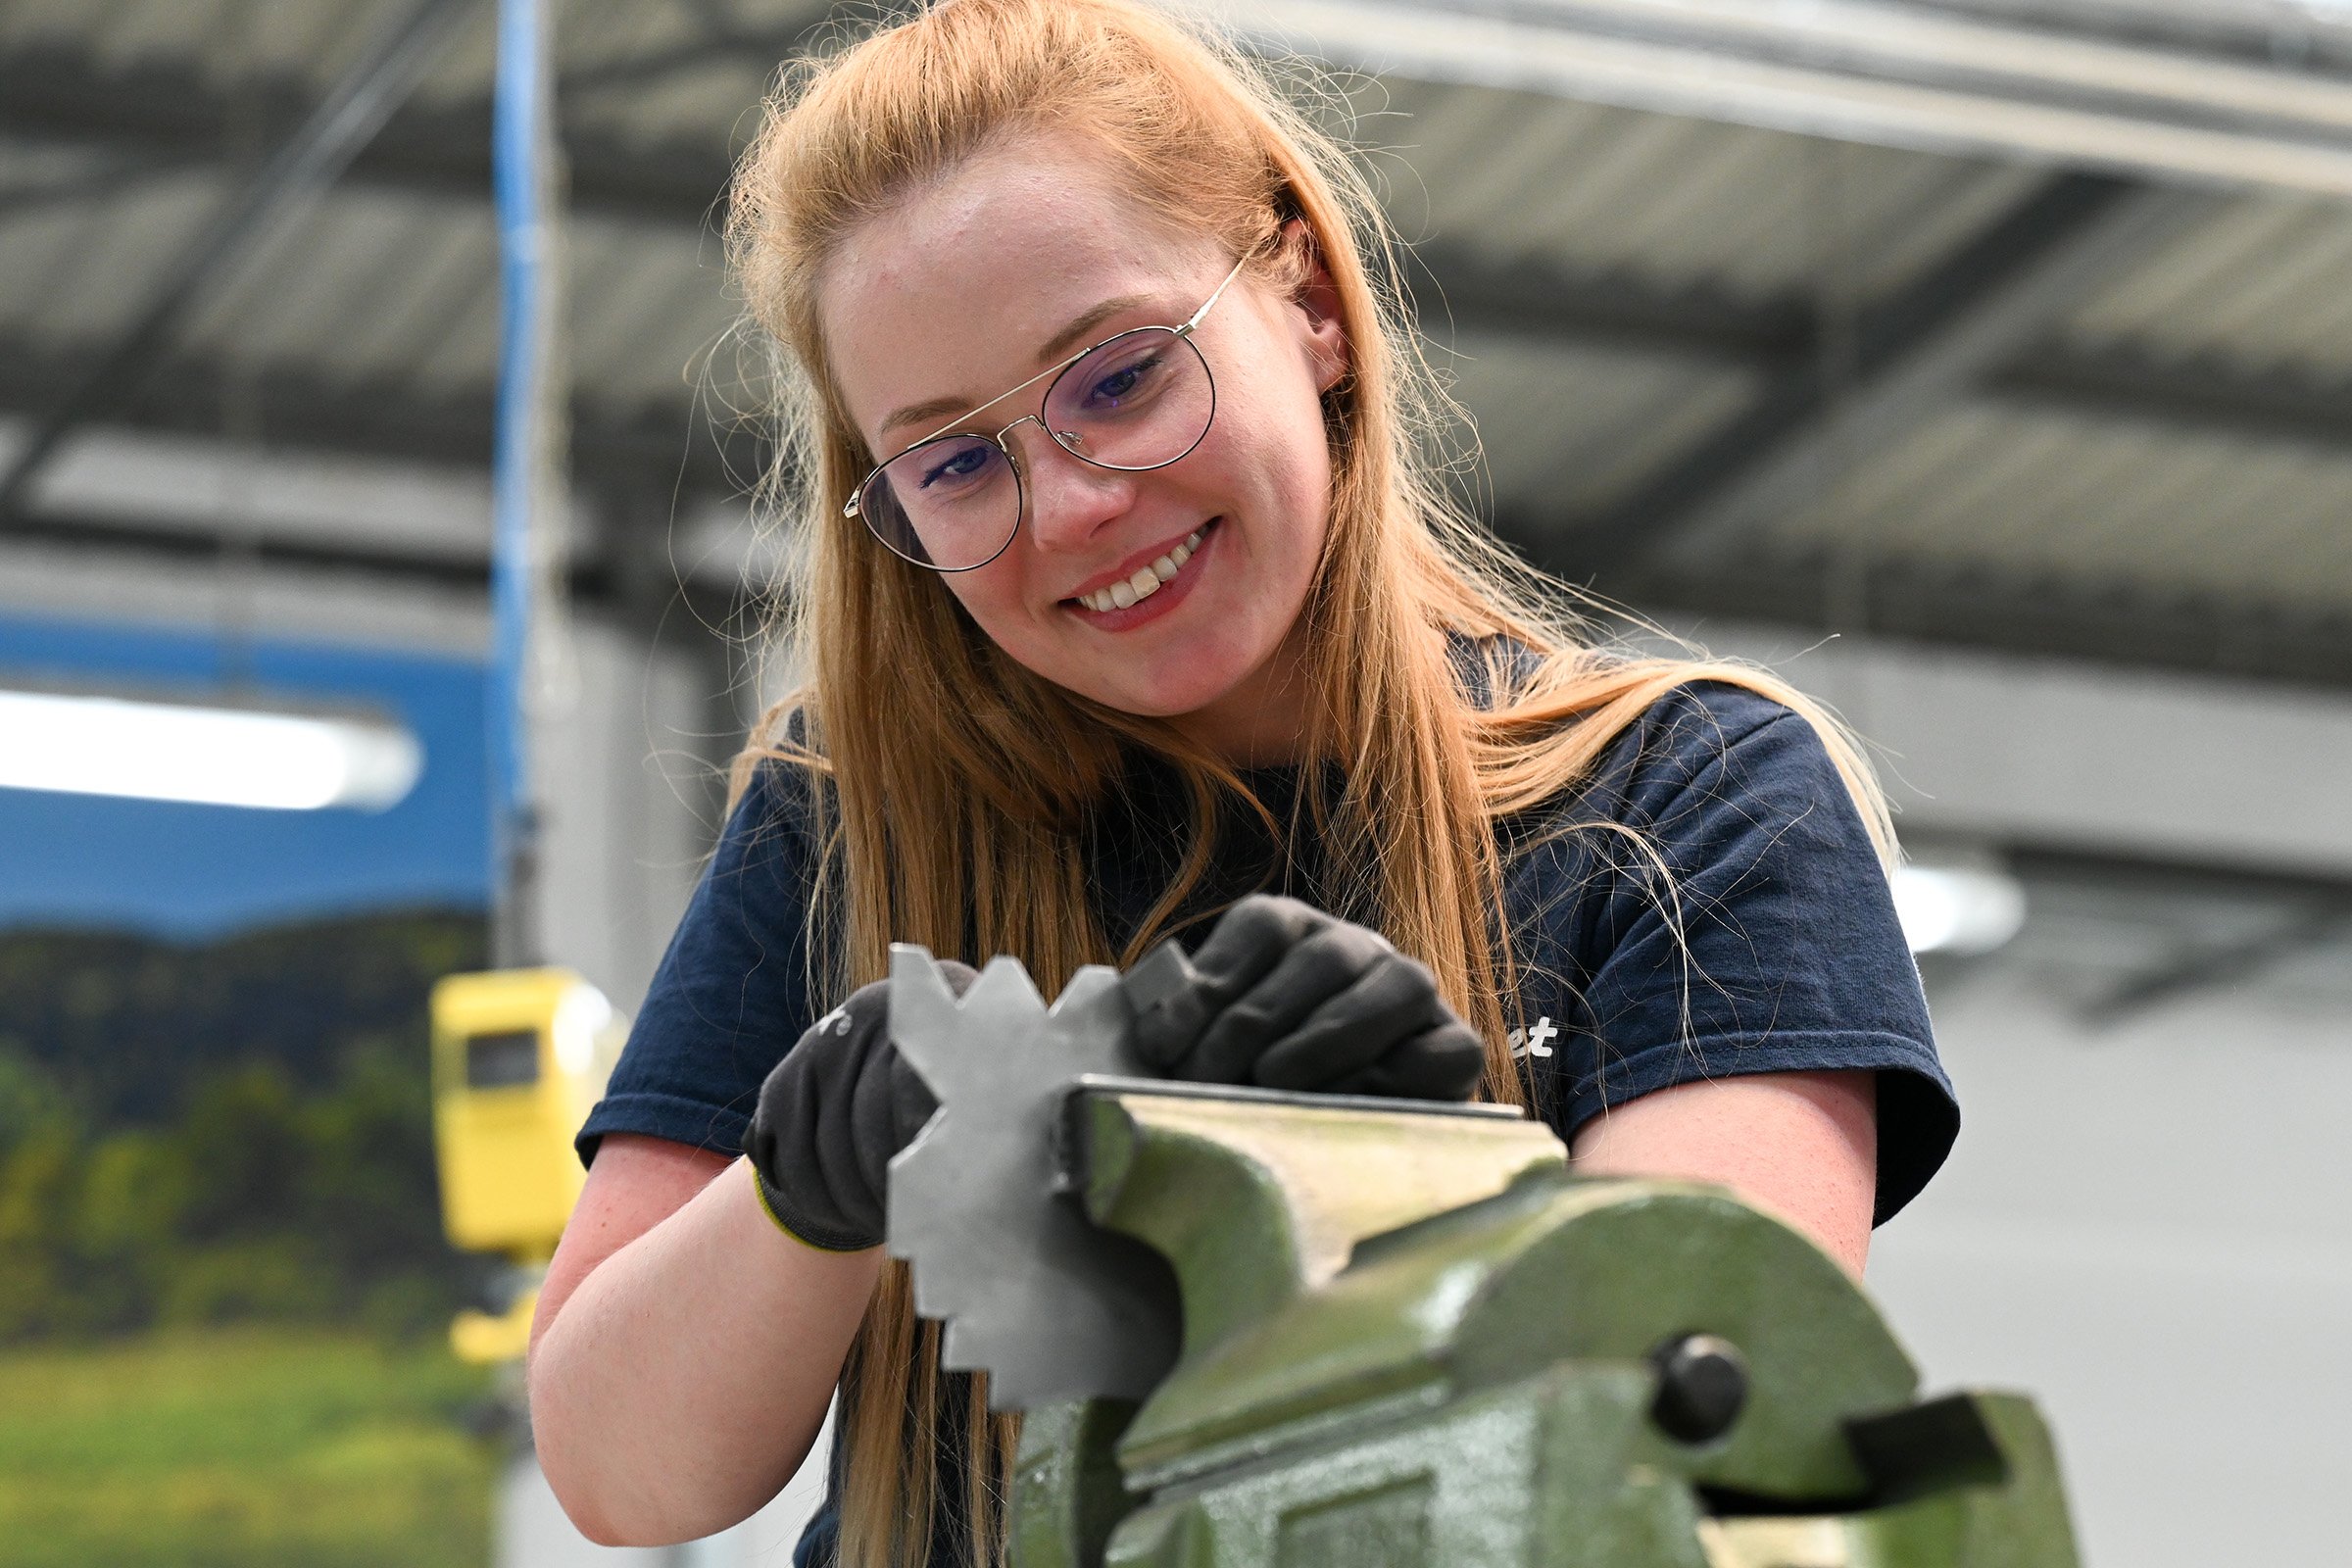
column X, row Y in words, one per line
column 1192, row 690
column 1172, row 705
column 1201, row 704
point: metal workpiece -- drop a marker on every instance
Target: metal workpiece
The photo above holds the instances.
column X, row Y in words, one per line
column 1047, row 1304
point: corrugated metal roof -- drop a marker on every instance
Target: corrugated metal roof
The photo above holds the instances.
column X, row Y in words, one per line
column 1577, row 431
column 2100, row 499
column 226, row 38
column 2268, row 282
column 389, row 284
column 1756, row 214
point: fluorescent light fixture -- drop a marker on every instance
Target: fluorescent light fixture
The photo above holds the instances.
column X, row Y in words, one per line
column 213, row 756
column 1961, row 909
column 581, row 1017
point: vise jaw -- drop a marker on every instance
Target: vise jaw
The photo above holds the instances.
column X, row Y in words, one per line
column 1503, row 1380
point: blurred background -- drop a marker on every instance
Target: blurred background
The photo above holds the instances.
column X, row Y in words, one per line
column 1984, row 366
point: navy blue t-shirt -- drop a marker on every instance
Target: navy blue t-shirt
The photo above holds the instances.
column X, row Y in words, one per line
column 1742, row 925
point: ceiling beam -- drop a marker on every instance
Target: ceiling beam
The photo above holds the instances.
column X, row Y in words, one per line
column 1457, row 290
column 2056, row 90
column 179, row 543
column 1462, row 294
column 1975, row 605
column 158, row 112
column 604, row 580
column 664, row 444
column 63, row 97
column 2198, row 397
column 88, row 181
column 45, row 96
column 2070, row 87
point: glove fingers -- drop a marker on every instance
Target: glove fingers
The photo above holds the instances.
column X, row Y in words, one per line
column 1310, row 973
column 872, row 1122
column 912, row 1104
column 1163, row 1035
column 1352, row 1030
column 838, row 1191
column 1444, row 1063
column 1251, row 938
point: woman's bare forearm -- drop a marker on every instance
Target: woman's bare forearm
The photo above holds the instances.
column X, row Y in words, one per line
column 1800, row 1144
column 679, row 1382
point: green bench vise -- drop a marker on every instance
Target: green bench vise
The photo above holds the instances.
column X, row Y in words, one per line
column 1255, row 1329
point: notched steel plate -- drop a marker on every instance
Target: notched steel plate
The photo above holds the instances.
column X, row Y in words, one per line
column 1031, row 1292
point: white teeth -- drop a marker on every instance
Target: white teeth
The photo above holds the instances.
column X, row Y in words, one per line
column 1147, row 579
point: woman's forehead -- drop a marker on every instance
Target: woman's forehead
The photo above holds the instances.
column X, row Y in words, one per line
column 964, row 288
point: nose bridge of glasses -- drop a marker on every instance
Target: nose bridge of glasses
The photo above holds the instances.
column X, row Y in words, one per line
column 1072, row 442
column 1038, row 418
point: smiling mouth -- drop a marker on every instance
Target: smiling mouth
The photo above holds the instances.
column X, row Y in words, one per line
column 1148, row 580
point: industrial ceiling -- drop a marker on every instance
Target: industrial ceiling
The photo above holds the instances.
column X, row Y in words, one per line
column 2023, row 327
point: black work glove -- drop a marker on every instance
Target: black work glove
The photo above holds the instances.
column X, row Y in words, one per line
column 831, row 1115
column 1283, row 995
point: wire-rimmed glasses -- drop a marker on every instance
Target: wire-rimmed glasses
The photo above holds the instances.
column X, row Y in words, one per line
column 1138, row 400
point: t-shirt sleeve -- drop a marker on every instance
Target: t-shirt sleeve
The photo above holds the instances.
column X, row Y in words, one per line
column 1711, row 904
column 732, row 991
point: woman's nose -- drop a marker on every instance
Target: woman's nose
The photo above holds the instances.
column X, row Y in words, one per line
column 1069, row 499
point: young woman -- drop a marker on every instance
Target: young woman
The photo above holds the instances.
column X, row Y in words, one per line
column 1133, row 587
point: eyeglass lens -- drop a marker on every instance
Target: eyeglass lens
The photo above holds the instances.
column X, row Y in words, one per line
column 1141, row 400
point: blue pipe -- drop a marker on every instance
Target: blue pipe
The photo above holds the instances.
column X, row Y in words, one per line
column 518, row 193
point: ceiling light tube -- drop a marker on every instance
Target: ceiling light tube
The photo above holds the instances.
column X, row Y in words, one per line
column 213, row 756
column 1961, row 909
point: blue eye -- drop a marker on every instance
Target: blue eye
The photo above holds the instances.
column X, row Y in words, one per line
column 1126, row 381
column 958, row 464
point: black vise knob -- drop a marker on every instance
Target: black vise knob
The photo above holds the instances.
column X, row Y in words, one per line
column 1702, row 1385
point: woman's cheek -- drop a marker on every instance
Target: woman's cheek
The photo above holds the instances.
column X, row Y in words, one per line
column 992, row 596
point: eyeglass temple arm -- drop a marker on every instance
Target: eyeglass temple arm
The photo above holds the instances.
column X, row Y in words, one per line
column 1186, row 330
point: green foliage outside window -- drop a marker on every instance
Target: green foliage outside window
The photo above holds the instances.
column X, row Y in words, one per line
column 223, row 1288
column 239, row 1132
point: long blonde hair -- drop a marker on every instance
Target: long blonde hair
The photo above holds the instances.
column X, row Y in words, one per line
column 952, row 782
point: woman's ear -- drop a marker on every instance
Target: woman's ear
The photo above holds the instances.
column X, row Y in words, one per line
column 1318, row 303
